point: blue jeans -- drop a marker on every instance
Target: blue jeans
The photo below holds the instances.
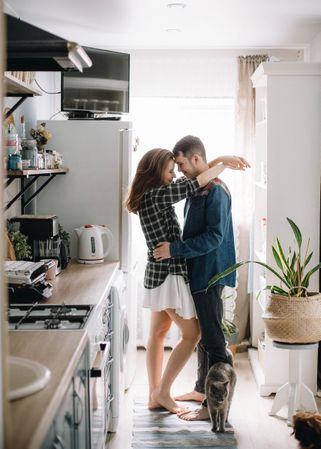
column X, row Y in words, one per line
column 212, row 347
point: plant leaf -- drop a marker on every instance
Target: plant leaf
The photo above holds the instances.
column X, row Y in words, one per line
column 284, row 261
column 226, row 272
column 296, row 232
column 278, row 290
column 305, row 282
column 307, row 260
column 277, row 258
column 282, row 278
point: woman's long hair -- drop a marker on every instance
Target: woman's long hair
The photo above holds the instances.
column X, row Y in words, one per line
column 149, row 174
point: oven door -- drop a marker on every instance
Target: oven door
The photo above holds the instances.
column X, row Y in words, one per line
column 98, row 394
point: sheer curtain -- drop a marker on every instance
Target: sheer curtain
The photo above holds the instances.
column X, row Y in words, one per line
column 244, row 145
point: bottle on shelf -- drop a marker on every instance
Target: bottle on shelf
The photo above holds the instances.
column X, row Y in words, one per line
column 12, row 143
column 30, row 152
column 22, row 130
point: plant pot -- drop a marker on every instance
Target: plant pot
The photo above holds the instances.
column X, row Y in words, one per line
column 290, row 319
column 232, row 339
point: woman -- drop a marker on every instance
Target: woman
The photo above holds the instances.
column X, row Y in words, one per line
column 166, row 292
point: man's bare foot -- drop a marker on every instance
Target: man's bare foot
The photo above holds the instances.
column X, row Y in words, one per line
column 199, row 414
column 191, row 396
column 165, row 401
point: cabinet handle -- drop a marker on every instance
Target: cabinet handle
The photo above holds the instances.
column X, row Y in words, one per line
column 77, row 406
column 95, row 372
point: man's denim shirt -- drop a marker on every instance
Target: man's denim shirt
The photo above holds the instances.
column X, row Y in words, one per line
column 208, row 241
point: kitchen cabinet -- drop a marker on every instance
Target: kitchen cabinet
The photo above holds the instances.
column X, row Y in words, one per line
column 70, row 428
column 287, row 184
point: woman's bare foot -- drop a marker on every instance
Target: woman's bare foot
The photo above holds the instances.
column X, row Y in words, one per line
column 199, row 414
column 191, row 396
column 152, row 405
column 165, row 401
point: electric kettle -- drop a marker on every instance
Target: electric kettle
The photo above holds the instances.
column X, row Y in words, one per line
column 94, row 243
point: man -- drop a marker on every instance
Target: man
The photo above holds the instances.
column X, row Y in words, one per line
column 208, row 246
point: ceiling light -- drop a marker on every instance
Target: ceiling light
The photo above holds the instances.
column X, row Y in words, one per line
column 176, row 5
column 173, row 30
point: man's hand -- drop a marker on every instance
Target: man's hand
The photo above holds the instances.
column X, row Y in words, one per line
column 233, row 162
column 161, row 251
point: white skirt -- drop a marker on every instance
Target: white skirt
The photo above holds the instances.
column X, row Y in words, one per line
column 173, row 293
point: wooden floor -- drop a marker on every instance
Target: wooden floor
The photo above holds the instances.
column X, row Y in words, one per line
column 254, row 428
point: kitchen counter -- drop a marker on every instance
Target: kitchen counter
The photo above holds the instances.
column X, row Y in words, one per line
column 83, row 284
column 32, row 416
column 60, row 351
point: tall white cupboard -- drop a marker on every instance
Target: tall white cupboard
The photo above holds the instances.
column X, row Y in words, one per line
column 287, row 184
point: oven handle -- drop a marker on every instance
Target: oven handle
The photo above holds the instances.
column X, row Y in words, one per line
column 100, row 359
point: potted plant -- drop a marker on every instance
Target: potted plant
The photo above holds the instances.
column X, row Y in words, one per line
column 20, row 245
column 230, row 331
column 292, row 314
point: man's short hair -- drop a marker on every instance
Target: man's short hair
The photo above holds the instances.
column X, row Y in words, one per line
column 188, row 146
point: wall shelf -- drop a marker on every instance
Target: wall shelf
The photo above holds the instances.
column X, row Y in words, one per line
column 27, row 179
column 17, row 88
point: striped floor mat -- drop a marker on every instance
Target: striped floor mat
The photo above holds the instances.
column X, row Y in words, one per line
column 164, row 430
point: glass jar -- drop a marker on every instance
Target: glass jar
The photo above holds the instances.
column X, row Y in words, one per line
column 14, row 162
column 30, row 151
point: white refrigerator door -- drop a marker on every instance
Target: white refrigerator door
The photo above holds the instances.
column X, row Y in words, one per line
column 98, row 155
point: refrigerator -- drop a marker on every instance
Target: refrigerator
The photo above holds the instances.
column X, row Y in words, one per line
column 101, row 159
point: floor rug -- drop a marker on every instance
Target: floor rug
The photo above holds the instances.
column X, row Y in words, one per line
column 163, row 430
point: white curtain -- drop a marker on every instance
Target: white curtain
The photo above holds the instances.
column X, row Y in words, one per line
column 244, row 145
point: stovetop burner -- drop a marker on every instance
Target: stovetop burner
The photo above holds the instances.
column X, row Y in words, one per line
column 53, row 323
column 53, row 316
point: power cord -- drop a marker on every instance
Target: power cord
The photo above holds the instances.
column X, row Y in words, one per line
column 46, row 92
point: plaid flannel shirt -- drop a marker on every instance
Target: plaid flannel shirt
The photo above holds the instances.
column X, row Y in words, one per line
column 159, row 223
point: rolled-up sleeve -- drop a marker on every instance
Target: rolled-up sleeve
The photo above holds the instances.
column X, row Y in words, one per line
column 165, row 196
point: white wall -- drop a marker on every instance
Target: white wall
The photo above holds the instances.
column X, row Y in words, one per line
column 315, row 48
column 191, row 73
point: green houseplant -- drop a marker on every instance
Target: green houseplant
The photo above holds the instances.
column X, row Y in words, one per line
column 20, row 244
column 292, row 314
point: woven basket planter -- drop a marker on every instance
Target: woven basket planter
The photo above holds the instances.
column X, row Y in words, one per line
column 293, row 320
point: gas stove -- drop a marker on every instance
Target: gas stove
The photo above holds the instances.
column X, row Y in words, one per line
column 48, row 316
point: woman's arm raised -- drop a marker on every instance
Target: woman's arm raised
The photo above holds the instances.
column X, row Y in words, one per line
column 233, row 162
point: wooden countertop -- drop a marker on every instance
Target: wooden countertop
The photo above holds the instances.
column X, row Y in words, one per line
column 60, row 352
column 83, row 284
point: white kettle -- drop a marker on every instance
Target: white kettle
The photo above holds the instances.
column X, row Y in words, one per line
column 94, row 243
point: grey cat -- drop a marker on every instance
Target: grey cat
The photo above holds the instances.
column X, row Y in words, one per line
column 219, row 389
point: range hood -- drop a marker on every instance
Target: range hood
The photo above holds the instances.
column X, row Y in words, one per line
column 30, row 48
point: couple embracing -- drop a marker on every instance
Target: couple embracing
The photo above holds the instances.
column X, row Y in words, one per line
column 178, row 269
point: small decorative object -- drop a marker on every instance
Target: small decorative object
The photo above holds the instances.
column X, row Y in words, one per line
column 292, row 314
column 41, row 136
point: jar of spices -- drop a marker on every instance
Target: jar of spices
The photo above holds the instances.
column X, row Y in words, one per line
column 30, row 151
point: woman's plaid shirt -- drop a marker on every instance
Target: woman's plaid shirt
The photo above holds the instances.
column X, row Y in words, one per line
column 159, row 223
